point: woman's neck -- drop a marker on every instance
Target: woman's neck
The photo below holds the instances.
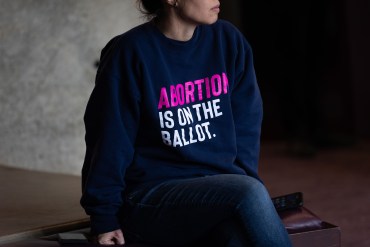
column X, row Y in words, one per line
column 175, row 28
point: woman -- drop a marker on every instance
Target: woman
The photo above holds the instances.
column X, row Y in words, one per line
column 172, row 135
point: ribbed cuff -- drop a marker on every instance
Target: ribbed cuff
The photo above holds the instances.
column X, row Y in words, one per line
column 104, row 223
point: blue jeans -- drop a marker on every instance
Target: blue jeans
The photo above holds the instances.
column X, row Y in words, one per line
column 219, row 210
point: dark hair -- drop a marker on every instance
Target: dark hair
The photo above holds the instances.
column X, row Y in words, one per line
column 151, row 8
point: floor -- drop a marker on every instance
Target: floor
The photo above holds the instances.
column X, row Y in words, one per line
column 335, row 184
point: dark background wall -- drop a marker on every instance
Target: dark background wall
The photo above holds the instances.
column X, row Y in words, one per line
column 312, row 63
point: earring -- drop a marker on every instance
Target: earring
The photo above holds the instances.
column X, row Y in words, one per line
column 175, row 4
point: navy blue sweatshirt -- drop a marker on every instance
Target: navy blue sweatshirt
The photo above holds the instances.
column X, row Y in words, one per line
column 164, row 109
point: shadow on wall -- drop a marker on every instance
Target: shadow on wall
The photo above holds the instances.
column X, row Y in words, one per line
column 310, row 58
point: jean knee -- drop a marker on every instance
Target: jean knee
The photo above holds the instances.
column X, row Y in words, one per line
column 254, row 190
column 244, row 189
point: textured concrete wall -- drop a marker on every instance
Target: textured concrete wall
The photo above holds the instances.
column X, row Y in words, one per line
column 47, row 54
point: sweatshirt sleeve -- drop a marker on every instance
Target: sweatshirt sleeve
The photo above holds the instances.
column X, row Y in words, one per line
column 111, row 122
column 247, row 111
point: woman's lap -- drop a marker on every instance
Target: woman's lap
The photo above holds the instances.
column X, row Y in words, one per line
column 181, row 212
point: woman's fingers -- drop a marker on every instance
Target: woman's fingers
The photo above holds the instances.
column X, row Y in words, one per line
column 111, row 238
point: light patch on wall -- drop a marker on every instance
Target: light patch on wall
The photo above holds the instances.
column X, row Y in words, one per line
column 47, row 73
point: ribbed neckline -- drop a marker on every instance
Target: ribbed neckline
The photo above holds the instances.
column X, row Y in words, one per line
column 177, row 43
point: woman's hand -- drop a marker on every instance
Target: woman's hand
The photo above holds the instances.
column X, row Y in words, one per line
column 111, row 238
